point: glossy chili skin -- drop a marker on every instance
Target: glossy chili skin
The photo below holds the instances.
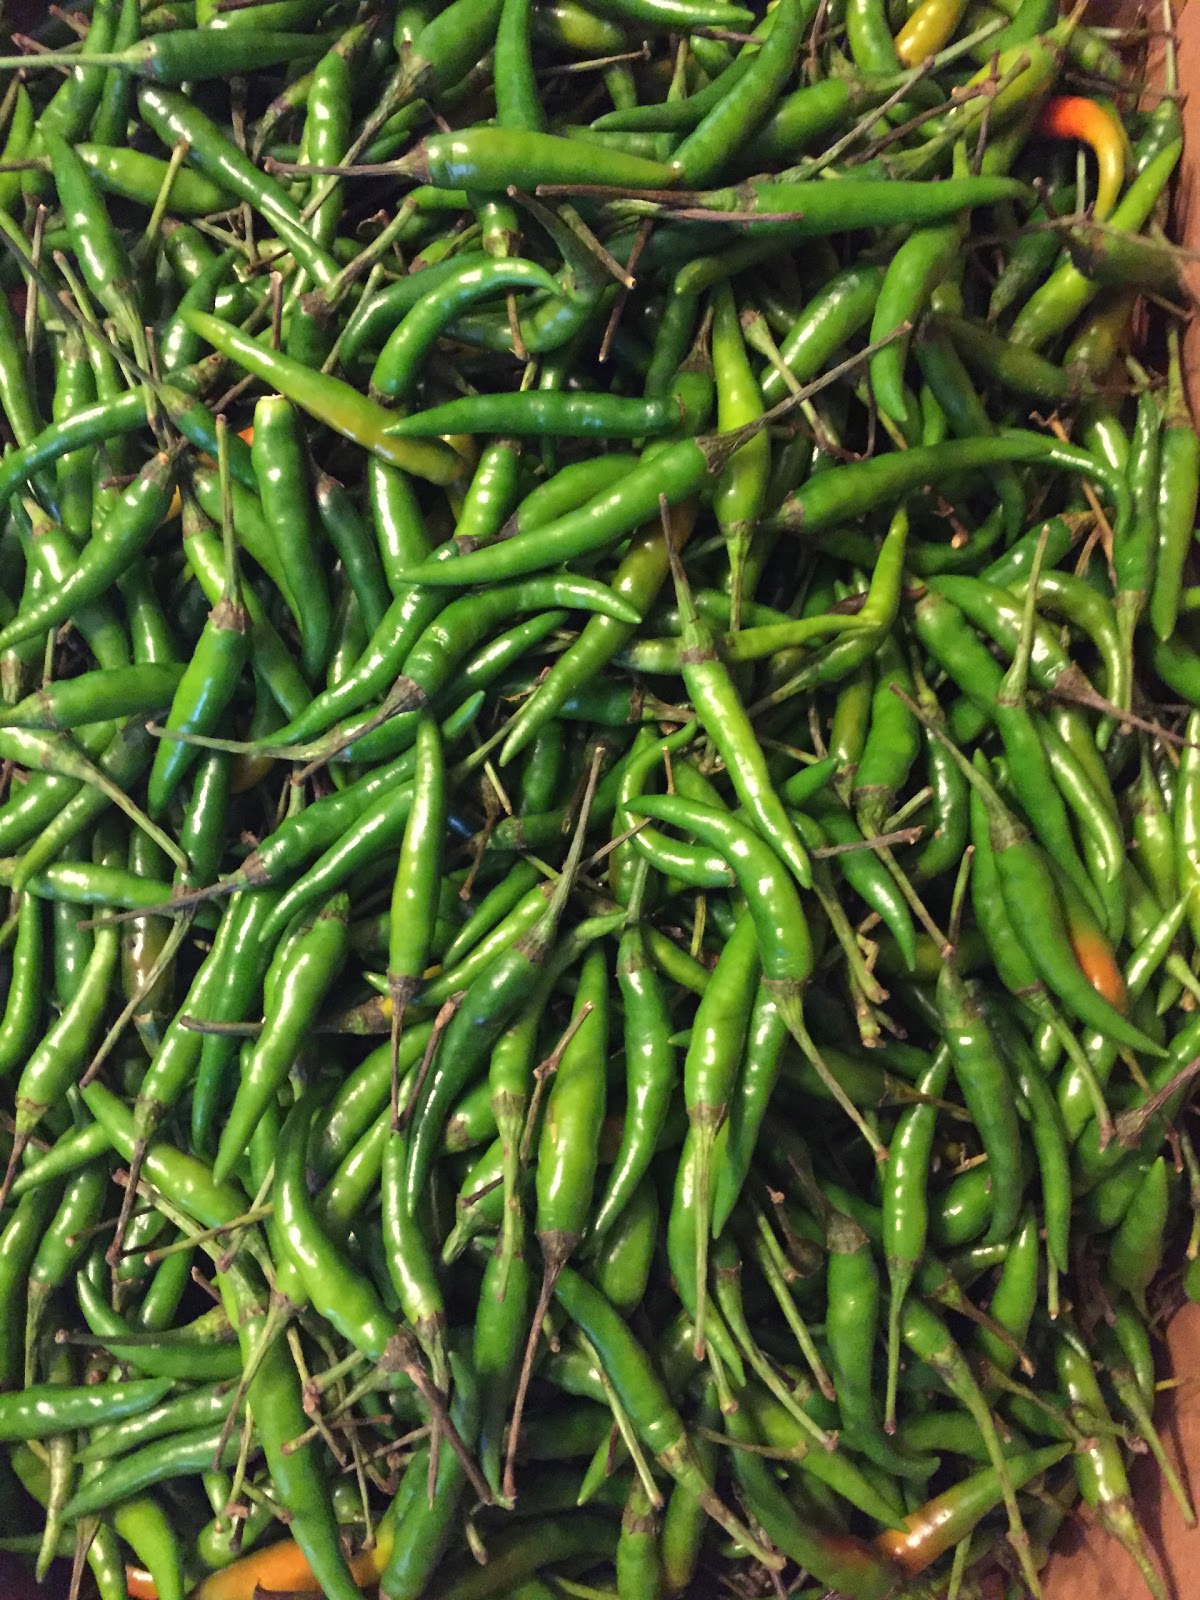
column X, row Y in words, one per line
column 705, row 151
column 773, row 902
column 425, row 1525
column 720, row 712
column 1066, row 292
column 839, row 1559
column 638, row 579
column 277, row 454
column 741, row 492
column 852, row 1290
column 639, row 1388
column 399, row 362
column 489, row 1002
column 591, row 1077
column 940, row 627
column 568, row 1148
column 983, row 1078
column 205, row 689
column 66, row 1048
column 437, row 639
column 114, row 545
column 1048, row 944
column 651, row 1076
column 906, row 1202
column 862, row 870
column 926, row 1335
column 1099, row 1469
column 413, row 908
column 891, row 745
column 858, row 487
column 313, row 963
column 1179, row 474
column 297, row 1474
column 677, row 472
column 766, row 1036
column 328, row 400
column 714, row 1051
column 172, row 117
column 943, row 1521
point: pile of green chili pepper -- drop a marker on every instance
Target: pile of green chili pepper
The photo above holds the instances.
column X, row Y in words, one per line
column 600, row 807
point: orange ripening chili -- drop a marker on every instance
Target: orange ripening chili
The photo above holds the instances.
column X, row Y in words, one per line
column 1095, row 955
column 949, row 1517
column 1073, row 116
column 282, row 1567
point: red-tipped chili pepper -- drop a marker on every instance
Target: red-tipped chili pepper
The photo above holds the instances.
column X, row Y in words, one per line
column 1073, row 116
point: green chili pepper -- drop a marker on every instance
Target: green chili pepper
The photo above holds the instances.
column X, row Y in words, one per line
column 1179, row 473
column 651, row 1072
column 327, row 400
column 836, row 1559
column 1098, row 1467
column 444, row 302
column 703, row 154
column 312, row 964
column 906, row 1206
column 491, row 158
column 644, row 1399
column 116, row 543
column 277, row 452
column 1136, row 1250
column 852, row 1287
column 849, row 491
